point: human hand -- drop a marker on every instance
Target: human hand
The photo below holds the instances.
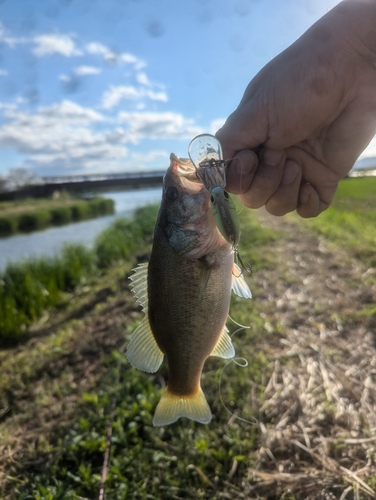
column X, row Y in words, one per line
column 307, row 116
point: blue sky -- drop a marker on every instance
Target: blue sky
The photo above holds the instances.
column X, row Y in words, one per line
column 116, row 85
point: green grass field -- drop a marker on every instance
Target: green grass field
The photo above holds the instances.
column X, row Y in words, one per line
column 350, row 221
column 68, row 383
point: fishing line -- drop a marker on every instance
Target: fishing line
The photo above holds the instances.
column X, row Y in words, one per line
column 241, row 327
column 242, row 363
column 242, row 266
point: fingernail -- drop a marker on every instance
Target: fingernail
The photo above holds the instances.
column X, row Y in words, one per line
column 271, row 157
column 290, row 173
column 303, row 195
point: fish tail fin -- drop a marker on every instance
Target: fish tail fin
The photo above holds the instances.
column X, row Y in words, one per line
column 171, row 407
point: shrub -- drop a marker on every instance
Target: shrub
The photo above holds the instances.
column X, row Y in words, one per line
column 60, row 215
column 77, row 262
column 101, row 206
column 32, row 221
column 80, row 211
column 8, row 225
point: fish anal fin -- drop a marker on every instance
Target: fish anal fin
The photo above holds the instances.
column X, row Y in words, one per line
column 224, row 347
column 143, row 352
column 171, row 407
column 239, row 285
column 139, row 284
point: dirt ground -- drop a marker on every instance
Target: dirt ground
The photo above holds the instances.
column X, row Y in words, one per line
column 319, row 409
column 322, row 394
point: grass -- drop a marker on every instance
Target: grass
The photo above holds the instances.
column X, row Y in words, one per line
column 29, row 288
column 144, row 460
column 33, row 215
column 351, row 220
column 60, row 390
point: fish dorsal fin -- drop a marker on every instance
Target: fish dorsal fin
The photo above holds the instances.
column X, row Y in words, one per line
column 172, row 406
column 239, row 285
column 224, row 347
column 140, row 285
column 143, row 352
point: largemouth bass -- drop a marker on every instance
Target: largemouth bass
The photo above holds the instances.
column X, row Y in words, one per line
column 185, row 293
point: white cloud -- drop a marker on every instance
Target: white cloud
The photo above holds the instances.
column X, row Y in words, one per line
column 87, row 70
column 115, row 94
column 65, row 78
column 156, row 96
column 45, row 45
column 59, row 136
column 167, row 125
column 148, row 159
column 143, row 79
column 216, row 124
column 112, row 56
column 68, row 110
column 9, row 40
column 67, row 136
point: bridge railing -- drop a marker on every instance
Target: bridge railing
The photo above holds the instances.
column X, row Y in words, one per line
column 59, row 179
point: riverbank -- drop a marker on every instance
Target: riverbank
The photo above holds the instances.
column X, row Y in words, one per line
column 31, row 215
column 297, row 422
column 28, row 288
column 50, row 242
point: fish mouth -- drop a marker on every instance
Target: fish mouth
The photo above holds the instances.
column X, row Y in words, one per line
column 183, row 167
column 181, row 174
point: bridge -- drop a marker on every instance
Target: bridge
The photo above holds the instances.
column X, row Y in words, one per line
column 90, row 183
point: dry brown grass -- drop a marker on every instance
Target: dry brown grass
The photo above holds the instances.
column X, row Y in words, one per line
column 318, row 412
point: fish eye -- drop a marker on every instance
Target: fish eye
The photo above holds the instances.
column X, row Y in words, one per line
column 171, row 193
column 226, row 194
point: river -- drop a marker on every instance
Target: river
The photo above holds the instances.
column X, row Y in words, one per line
column 49, row 241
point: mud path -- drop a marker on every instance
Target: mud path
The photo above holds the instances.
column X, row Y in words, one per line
column 319, row 408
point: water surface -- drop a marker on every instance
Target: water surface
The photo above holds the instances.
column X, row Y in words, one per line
column 49, row 241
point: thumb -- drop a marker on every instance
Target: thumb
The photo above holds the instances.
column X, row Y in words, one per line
column 246, row 128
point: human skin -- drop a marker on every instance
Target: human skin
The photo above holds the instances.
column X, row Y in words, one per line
column 306, row 116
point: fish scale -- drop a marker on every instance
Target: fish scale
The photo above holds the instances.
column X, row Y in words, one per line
column 179, row 327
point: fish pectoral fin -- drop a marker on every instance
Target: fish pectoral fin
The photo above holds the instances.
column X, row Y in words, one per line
column 224, row 348
column 239, row 285
column 140, row 284
column 143, row 352
column 205, row 272
column 172, row 406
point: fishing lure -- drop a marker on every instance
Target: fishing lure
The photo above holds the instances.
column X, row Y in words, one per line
column 205, row 151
